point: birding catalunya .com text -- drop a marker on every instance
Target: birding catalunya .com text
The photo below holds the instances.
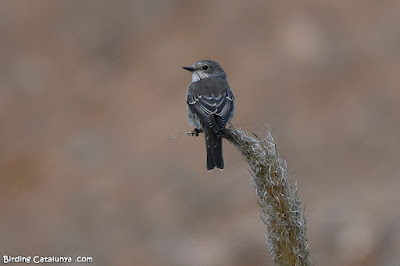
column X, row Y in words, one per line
column 42, row 259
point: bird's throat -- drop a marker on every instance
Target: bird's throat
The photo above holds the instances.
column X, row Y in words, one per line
column 198, row 75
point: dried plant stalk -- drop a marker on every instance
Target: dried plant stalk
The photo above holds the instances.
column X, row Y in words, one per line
column 280, row 205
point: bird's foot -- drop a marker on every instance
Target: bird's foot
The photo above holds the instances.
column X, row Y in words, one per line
column 196, row 132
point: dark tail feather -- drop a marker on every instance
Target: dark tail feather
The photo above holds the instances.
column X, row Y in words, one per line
column 214, row 150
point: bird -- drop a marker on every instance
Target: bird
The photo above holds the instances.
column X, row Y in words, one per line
column 210, row 106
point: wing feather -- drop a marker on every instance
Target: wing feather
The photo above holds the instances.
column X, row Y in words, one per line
column 213, row 110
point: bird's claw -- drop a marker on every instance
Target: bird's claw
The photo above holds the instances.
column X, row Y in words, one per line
column 196, row 132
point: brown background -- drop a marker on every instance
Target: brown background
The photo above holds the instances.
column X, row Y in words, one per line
column 92, row 96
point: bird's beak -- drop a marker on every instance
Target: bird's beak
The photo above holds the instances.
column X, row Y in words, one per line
column 189, row 68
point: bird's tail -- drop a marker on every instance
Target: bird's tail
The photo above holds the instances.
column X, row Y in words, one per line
column 214, row 149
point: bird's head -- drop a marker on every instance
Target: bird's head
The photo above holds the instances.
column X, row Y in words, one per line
column 204, row 69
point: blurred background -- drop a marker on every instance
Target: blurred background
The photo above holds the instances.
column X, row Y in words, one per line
column 92, row 110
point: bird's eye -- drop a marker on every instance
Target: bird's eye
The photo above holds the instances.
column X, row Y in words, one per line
column 205, row 67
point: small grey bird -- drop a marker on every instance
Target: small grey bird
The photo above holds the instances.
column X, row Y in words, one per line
column 211, row 106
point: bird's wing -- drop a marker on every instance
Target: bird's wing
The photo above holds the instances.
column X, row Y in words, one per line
column 213, row 109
